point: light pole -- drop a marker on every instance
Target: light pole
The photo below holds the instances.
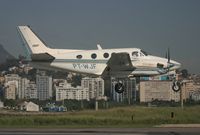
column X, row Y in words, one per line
column 181, row 95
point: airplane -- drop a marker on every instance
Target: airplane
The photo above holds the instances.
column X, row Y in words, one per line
column 117, row 63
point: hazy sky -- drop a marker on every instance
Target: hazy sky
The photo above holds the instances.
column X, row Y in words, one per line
column 153, row 25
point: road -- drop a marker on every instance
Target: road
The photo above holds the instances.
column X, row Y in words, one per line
column 101, row 131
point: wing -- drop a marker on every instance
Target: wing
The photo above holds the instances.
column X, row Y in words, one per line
column 42, row 57
column 119, row 63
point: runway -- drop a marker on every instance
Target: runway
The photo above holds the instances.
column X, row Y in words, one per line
column 101, row 131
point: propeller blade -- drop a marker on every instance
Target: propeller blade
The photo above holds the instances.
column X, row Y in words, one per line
column 168, row 55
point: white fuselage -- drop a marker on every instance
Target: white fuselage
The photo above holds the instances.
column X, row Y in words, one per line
column 71, row 61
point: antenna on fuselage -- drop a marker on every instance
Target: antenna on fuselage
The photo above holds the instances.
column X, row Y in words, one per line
column 99, row 47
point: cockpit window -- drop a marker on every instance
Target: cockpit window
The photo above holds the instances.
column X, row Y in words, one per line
column 143, row 52
column 105, row 55
column 135, row 54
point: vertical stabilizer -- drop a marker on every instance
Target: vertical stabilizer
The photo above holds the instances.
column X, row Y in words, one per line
column 31, row 41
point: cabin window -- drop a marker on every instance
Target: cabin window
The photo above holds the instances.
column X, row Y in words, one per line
column 135, row 54
column 93, row 56
column 79, row 56
column 105, row 55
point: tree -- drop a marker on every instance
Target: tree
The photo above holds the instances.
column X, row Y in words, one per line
column 76, row 80
column 10, row 102
column 184, row 73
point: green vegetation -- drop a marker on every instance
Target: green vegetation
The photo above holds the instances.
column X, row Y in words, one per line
column 116, row 117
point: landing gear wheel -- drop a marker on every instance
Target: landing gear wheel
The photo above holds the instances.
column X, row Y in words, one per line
column 119, row 87
column 176, row 86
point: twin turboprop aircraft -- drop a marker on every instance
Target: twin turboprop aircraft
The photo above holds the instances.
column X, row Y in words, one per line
column 118, row 63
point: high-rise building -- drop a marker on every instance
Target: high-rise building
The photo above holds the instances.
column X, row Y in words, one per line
column 44, row 86
column 22, row 84
column 15, row 77
column 10, row 89
column 31, row 91
column 65, row 91
column 95, row 86
column 11, row 77
column 22, row 90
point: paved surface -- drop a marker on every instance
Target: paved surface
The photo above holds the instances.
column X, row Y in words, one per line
column 102, row 131
column 180, row 125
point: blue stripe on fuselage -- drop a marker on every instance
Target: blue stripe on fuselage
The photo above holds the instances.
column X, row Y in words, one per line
column 83, row 60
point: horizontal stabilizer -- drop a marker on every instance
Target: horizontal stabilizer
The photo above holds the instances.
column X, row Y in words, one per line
column 42, row 57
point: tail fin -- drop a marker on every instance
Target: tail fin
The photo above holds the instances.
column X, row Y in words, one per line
column 31, row 41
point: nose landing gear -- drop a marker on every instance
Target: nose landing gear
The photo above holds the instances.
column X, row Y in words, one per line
column 176, row 86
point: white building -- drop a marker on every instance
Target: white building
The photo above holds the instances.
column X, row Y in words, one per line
column 29, row 107
column 27, row 68
column 192, row 90
column 22, row 84
column 95, row 86
column 158, row 90
column 1, row 104
column 31, row 91
column 17, row 78
column 23, row 88
column 10, row 89
column 11, row 77
column 66, row 91
column 44, row 86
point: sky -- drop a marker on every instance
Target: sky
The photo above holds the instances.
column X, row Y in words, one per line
column 152, row 25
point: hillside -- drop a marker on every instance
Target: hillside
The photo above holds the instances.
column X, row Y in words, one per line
column 4, row 55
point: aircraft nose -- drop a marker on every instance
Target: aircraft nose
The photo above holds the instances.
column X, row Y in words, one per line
column 176, row 65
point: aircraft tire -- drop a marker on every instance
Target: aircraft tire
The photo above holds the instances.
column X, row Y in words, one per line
column 176, row 86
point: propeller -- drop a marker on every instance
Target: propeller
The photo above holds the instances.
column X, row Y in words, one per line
column 168, row 55
column 161, row 66
column 169, row 64
column 168, row 59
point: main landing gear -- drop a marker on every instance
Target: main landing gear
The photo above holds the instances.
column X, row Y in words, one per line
column 119, row 87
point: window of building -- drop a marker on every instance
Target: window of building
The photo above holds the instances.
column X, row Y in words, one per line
column 93, row 56
column 105, row 55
